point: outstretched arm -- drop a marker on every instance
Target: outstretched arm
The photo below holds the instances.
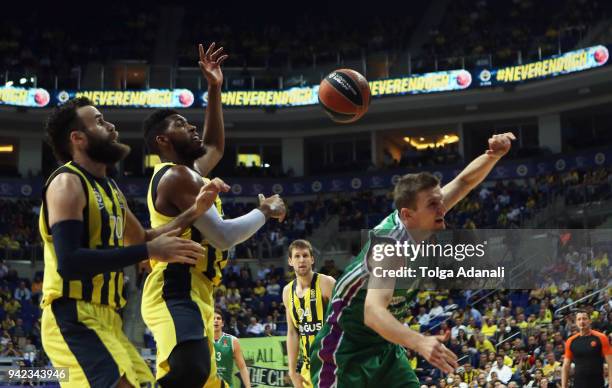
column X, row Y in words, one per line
column 213, row 137
column 177, row 190
column 136, row 234
column 477, row 170
column 224, row 234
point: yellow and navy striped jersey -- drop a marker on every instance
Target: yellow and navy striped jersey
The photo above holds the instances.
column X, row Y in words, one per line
column 104, row 221
column 307, row 313
column 214, row 260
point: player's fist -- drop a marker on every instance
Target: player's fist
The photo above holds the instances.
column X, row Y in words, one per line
column 297, row 379
column 499, row 145
column 272, row 207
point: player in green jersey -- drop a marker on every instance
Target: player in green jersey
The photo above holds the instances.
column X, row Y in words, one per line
column 362, row 342
column 227, row 351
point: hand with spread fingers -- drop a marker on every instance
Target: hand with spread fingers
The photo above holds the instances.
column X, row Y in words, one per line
column 210, row 63
column 170, row 248
column 437, row 354
column 499, row 145
column 208, row 193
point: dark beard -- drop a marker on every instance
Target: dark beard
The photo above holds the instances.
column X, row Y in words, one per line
column 105, row 151
column 187, row 151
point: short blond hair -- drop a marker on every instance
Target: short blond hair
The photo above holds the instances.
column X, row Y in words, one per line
column 408, row 187
column 301, row 244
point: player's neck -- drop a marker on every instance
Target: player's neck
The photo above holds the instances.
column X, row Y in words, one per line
column 586, row 331
column 218, row 334
column 174, row 158
column 304, row 281
column 419, row 235
column 96, row 169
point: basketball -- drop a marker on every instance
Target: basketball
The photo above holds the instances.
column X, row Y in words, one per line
column 345, row 95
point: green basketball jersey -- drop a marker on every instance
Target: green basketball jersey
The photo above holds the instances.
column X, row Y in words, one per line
column 224, row 355
column 345, row 341
column 351, row 288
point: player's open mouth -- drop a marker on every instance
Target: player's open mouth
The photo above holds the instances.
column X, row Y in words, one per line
column 440, row 220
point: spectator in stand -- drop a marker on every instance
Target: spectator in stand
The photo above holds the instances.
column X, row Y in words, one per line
column 12, row 306
column 551, row 365
column 503, row 371
column 268, row 332
column 270, row 321
column 274, row 289
column 235, row 328
column 22, row 293
column 260, row 289
column 11, row 351
column 489, row 328
column 255, row 328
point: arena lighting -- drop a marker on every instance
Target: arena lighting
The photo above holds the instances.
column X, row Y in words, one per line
column 448, row 139
column 8, row 83
column 22, row 81
column 6, row 148
column 249, row 160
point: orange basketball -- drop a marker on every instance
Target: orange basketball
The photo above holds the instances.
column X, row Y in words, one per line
column 345, row 95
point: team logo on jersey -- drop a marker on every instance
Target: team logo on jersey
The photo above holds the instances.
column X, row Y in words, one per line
column 313, row 294
column 310, row 328
column 224, row 341
column 593, row 344
column 99, row 199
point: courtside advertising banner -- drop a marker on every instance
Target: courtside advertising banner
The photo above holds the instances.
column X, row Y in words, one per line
column 266, row 359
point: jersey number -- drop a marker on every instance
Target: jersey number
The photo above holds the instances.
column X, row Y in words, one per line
column 116, row 224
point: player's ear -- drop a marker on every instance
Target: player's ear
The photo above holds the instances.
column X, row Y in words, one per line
column 77, row 136
column 161, row 139
column 405, row 213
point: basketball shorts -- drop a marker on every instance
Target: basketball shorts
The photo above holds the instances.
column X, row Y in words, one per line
column 177, row 320
column 357, row 365
column 88, row 339
column 305, row 372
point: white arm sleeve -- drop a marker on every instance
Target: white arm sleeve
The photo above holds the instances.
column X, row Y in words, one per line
column 224, row 234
